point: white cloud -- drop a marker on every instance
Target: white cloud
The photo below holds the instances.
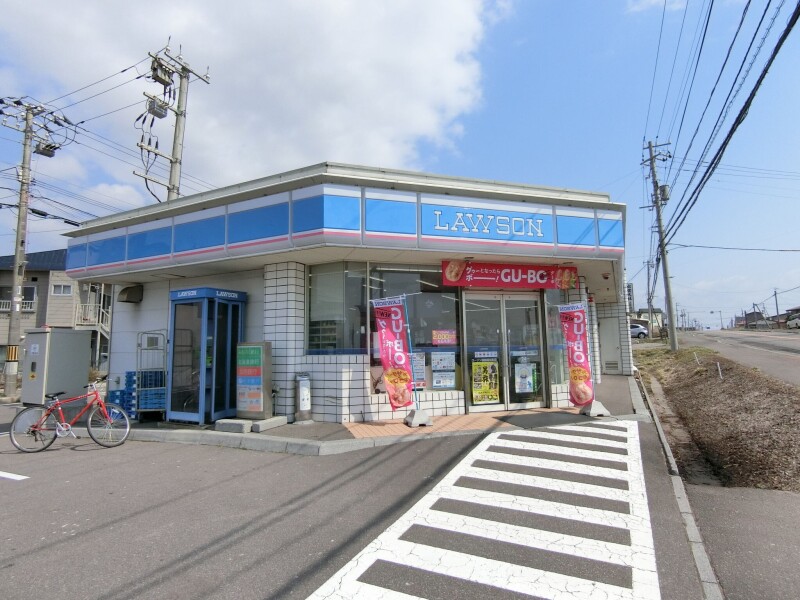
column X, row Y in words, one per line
column 293, row 82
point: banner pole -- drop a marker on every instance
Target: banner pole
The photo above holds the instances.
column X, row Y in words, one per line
column 410, row 350
column 417, row 416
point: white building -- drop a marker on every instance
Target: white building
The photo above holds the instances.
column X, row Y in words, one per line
column 295, row 258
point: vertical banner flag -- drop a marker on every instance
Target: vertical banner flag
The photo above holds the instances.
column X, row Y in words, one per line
column 573, row 325
column 390, row 323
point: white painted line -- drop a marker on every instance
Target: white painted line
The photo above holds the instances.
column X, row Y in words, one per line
column 554, row 485
column 552, row 435
column 13, row 476
column 639, row 556
column 579, row 452
column 532, row 538
column 554, row 465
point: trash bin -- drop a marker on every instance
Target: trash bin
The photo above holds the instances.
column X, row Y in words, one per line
column 302, row 398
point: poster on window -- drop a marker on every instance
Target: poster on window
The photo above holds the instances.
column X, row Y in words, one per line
column 444, row 337
column 443, row 361
column 418, row 369
column 485, row 378
column 573, row 325
column 390, row 323
column 444, row 380
column 525, row 378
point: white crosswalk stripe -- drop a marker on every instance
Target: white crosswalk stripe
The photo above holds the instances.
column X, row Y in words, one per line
column 558, row 513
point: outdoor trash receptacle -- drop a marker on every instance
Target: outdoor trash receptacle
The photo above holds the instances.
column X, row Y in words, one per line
column 302, row 398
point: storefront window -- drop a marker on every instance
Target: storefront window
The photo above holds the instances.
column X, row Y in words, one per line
column 556, row 349
column 337, row 313
column 433, row 316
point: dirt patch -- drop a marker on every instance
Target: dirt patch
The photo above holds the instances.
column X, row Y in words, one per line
column 725, row 421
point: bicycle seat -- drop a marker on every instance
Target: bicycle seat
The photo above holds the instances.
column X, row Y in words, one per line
column 54, row 395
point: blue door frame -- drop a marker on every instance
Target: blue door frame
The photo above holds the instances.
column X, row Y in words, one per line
column 205, row 327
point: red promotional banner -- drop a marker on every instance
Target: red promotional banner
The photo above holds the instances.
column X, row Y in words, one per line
column 390, row 323
column 573, row 325
column 465, row 273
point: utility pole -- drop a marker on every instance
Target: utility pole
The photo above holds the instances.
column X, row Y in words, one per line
column 657, row 202
column 777, row 312
column 163, row 67
column 18, row 276
column 649, row 300
column 41, row 125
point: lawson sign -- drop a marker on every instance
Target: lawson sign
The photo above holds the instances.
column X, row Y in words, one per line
column 206, row 292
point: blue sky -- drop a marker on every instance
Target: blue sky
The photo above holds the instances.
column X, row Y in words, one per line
column 553, row 93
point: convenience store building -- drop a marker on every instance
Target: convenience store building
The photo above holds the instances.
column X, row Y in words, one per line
column 294, row 259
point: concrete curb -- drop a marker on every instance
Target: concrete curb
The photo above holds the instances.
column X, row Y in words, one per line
column 266, row 443
column 708, row 578
column 671, row 464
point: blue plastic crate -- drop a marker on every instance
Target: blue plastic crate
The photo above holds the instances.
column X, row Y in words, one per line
column 151, row 399
column 151, row 378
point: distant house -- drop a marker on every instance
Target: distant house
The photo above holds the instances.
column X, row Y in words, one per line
column 641, row 316
column 50, row 297
column 757, row 320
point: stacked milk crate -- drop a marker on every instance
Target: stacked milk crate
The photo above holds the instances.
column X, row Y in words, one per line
column 144, row 391
column 149, row 389
column 125, row 399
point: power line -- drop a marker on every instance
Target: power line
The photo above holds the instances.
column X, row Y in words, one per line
column 99, row 81
column 694, row 74
column 735, row 248
column 674, row 62
column 726, row 105
column 655, row 69
column 737, row 122
column 714, row 87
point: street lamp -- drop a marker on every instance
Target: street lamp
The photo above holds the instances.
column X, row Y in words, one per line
column 721, row 326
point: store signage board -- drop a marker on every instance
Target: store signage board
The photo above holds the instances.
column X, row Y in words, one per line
column 465, row 273
column 254, row 380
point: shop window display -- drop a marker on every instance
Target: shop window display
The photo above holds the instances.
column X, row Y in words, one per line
column 337, row 313
column 433, row 316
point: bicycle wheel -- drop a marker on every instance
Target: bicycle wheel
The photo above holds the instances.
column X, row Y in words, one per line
column 31, row 431
column 108, row 431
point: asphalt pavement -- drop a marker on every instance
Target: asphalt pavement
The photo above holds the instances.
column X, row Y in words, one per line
column 709, row 541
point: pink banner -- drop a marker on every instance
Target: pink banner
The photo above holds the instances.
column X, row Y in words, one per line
column 390, row 323
column 573, row 324
column 464, row 273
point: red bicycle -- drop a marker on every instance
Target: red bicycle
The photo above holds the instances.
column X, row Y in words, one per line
column 37, row 427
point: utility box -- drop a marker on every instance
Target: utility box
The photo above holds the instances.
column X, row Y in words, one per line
column 55, row 359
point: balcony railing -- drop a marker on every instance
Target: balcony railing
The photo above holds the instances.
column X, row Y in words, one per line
column 27, row 305
column 92, row 315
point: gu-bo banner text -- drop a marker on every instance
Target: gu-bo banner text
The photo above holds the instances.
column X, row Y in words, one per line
column 573, row 325
column 390, row 323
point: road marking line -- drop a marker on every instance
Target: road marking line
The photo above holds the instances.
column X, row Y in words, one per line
column 13, row 476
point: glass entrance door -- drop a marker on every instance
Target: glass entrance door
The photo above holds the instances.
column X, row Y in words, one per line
column 504, row 351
